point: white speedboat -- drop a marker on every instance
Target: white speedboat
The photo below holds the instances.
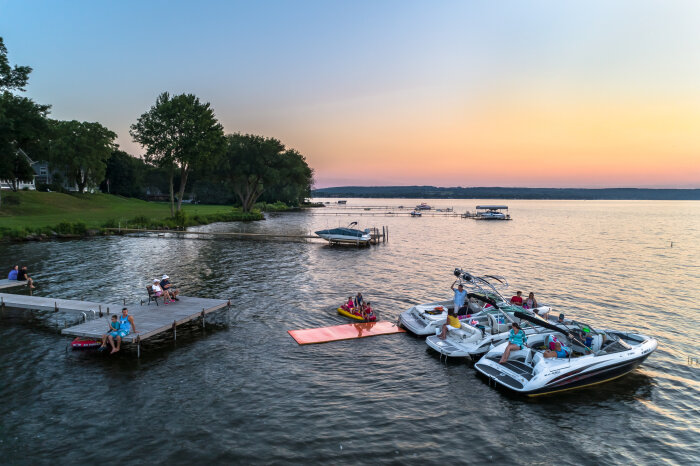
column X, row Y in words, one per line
column 346, row 235
column 594, row 356
column 416, row 213
column 424, row 319
column 491, row 212
column 482, row 331
column 423, row 206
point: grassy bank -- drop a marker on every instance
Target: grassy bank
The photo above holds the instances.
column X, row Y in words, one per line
column 28, row 213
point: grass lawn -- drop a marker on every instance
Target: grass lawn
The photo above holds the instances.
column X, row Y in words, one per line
column 33, row 209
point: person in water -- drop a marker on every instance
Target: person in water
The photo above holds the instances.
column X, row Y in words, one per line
column 530, row 302
column 452, row 321
column 460, row 297
column 13, row 273
column 126, row 326
column 517, row 299
column 22, row 275
column 516, row 341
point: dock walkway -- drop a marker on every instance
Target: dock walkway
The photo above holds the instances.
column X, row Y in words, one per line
column 150, row 320
column 5, row 283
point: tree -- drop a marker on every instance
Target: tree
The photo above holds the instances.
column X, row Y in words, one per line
column 179, row 133
column 254, row 165
column 82, row 150
column 20, row 169
column 125, row 175
column 22, row 122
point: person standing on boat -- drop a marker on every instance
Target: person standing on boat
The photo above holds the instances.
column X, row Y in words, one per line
column 460, row 297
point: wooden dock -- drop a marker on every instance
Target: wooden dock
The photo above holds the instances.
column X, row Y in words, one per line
column 150, row 320
column 5, row 283
column 377, row 235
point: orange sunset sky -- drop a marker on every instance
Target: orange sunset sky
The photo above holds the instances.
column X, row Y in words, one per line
column 453, row 93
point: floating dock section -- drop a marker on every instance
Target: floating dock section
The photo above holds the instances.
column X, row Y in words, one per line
column 5, row 283
column 149, row 320
column 344, row 332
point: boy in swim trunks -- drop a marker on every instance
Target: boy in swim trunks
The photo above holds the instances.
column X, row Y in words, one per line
column 112, row 333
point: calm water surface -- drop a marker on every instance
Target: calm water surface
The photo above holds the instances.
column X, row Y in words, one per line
column 242, row 391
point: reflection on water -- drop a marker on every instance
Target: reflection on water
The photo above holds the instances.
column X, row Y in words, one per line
column 244, row 391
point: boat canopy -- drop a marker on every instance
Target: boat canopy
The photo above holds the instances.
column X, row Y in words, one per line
column 492, row 207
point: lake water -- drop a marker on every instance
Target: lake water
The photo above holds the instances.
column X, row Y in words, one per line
column 242, row 391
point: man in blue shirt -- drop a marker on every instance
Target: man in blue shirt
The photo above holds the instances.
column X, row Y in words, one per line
column 165, row 284
column 13, row 273
column 460, row 296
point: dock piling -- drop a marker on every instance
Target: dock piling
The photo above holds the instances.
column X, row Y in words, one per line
column 174, row 330
column 203, row 319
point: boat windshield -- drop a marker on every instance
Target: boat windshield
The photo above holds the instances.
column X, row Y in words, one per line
column 614, row 346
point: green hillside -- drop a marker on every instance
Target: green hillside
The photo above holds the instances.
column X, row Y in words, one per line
column 34, row 211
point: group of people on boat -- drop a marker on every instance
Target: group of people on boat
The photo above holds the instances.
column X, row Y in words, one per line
column 529, row 303
column 358, row 307
column 20, row 274
column 164, row 288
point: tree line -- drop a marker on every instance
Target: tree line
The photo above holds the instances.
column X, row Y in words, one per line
column 185, row 146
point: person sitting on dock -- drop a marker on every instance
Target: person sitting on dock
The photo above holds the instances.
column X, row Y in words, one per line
column 126, row 326
column 13, row 273
column 112, row 333
column 22, row 275
column 460, row 297
column 452, row 321
column 158, row 291
column 517, row 299
column 168, row 288
column 516, row 341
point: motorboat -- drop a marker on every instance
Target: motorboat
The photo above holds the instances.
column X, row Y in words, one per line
column 423, row 206
column 425, row 319
column 594, row 356
column 416, row 213
column 492, row 212
column 481, row 332
column 346, row 235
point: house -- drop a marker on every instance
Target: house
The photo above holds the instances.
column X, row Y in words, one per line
column 7, row 184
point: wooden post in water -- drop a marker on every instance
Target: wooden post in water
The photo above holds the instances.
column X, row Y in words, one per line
column 203, row 319
column 174, row 330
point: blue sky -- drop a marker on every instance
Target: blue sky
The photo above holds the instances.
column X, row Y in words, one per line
column 389, row 85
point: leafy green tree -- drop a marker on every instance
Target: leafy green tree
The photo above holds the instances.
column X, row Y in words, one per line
column 82, row 149
column 179, row 133
column 254, row 165
column 125, row 175
column 22, row 122
column 11, row 77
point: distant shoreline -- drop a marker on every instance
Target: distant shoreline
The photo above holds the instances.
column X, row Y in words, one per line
column 433, row 192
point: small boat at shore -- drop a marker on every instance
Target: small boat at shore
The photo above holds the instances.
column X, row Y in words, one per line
column 416, row 213
column 346, row 235
column 423, row 206
column 590, row 356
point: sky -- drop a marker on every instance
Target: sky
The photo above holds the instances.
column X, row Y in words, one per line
column 597, row 93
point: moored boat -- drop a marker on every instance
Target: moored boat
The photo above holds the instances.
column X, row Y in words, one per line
column 346, row 235
column 590, row 356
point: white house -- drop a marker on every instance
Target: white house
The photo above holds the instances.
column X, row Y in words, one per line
column 7, row 184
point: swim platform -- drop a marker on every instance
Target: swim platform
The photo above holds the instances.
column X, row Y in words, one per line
column 310, row 336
